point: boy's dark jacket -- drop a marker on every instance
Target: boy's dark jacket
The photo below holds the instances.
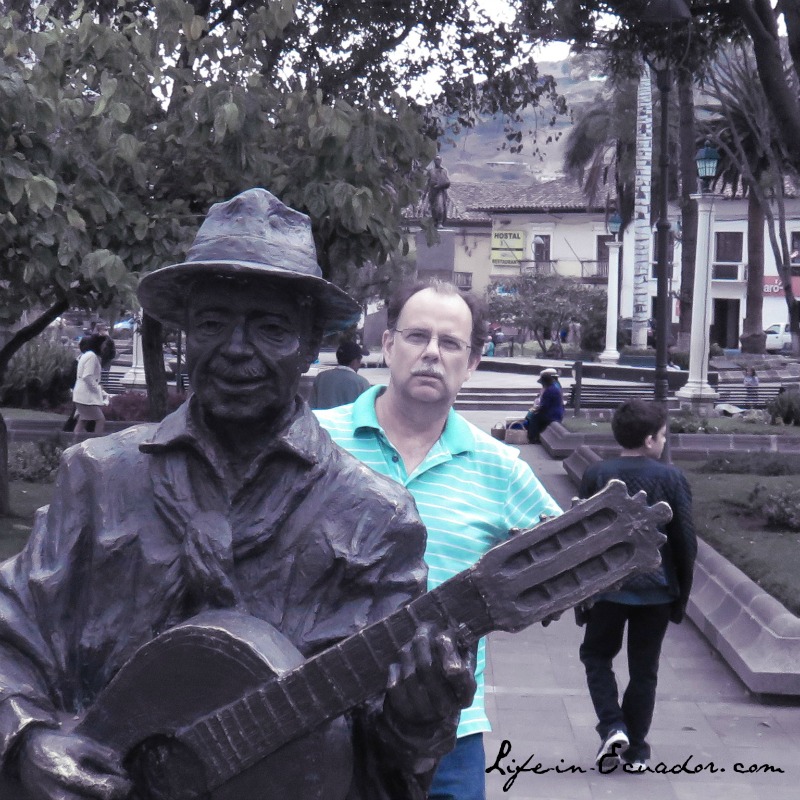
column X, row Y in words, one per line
column 661, row 482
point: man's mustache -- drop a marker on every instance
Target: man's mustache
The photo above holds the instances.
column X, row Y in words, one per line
column 428, row 372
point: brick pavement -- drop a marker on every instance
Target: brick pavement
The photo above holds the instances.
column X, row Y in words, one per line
column 537, row 701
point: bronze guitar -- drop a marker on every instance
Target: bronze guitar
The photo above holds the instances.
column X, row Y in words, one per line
column 265, row 714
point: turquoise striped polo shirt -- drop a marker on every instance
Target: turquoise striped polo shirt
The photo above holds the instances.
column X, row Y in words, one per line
column 470, row 491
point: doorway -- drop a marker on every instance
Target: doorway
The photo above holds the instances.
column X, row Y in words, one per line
column 725, row 327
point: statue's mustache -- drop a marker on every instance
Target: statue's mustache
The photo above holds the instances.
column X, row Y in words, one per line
column 249, row 370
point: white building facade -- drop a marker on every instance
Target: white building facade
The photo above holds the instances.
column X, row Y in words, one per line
column 497, row 231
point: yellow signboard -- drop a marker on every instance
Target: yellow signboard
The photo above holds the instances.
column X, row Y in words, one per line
column 508, row 247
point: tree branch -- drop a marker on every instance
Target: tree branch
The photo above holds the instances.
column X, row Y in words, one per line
column 27, row 333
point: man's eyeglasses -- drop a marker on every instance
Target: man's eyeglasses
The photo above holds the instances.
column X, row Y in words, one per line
column 417, row 337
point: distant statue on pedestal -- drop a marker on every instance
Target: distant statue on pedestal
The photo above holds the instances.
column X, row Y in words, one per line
column 438, row 184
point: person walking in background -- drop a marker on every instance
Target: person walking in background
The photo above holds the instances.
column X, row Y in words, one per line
column 87, row 394
column 72, row 419
column 342, row 384
column 646, row 602
column 549, row 406
column 470, row 489
column 108, row 350
column 751, row 383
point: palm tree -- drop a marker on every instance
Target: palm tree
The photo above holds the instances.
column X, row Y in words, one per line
column 740, row 124
column 611, row 144
column 600, row 147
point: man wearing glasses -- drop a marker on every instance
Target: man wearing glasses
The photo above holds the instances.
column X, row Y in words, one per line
column 470, row 489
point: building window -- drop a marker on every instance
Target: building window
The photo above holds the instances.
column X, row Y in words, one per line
column 728, row 255
column 602, row 246
column 541, row 248
column 463, row 280
column 600, row 267
column 794, row 257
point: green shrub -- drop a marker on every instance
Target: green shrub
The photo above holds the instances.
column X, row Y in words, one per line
column 34, row 461
column 38, row 375
column 785, row 407
column 134, row 406
column 753, row 464
column 781, row 508
column 687, row 422
column 593, row 328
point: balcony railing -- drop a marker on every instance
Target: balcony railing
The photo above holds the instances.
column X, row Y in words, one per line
column 538, row 267
column 597, row 270
column 727, row 271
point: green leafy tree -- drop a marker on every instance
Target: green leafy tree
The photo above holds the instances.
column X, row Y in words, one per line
column 540, row 305
column 122, row 122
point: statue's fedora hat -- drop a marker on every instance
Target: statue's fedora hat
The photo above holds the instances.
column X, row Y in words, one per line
column 252, row 236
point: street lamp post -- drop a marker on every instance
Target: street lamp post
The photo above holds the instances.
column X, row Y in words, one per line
column 663, row 16
column 611, row 355
column 697, row 390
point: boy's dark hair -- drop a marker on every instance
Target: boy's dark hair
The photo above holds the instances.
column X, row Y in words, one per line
column 478, row 309
column 635, row 420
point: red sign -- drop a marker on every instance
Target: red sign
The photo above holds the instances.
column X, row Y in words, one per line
column 773, row 286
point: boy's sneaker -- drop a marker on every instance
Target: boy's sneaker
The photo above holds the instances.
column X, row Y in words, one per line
column 613, row 745
column 637, row 765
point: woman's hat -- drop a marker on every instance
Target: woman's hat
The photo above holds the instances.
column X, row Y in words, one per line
column 251, row 236
column 550, row 373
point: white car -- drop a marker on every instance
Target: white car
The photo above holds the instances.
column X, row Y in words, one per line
column 778, row 337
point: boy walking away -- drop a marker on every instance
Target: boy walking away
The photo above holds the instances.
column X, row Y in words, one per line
column 646, row 602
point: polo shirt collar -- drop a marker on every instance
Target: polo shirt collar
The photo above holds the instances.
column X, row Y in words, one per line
column 456, row 438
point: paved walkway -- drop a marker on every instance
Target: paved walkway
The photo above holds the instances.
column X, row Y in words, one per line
column 705, row 718
column 537, row 701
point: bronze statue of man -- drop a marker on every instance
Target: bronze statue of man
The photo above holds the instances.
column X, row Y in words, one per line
column 238, row 500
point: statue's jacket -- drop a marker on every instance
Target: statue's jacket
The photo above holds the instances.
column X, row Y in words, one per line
column 146, row 528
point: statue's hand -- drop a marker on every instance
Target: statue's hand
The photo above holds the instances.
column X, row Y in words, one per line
column 434, row 680
column 60, row 766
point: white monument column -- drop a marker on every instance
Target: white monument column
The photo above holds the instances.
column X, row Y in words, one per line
column 697, row 389
column 134, row 378
column 611, row 355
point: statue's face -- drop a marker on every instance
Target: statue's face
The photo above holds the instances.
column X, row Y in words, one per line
column 246, row 348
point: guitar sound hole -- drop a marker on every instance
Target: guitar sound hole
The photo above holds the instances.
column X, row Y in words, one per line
column 162, row 768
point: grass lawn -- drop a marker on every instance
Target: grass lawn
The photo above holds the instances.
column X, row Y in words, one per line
column 725, row 519
column 722, row 425
column 722, row 513
column 30, row 414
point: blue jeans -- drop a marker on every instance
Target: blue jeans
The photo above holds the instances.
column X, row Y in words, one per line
column 647, row 626
column 461, row 774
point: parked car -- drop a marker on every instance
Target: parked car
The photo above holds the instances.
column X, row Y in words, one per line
column 125, row 327
column 778, row 337
column 626, row 328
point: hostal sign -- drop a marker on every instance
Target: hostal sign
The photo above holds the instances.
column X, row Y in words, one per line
column 508, row 248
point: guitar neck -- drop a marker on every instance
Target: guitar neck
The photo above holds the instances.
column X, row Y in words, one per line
column 535, row 574
column 327, row 685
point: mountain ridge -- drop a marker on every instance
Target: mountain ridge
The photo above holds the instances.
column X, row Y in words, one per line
column 481, row 153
